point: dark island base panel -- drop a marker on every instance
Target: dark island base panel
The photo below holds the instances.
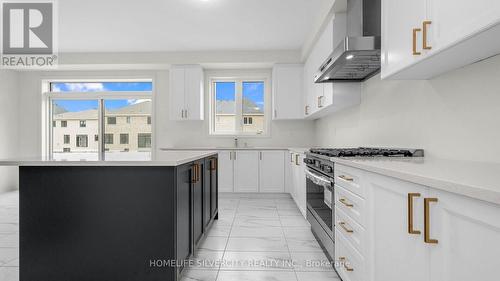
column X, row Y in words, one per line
column 97, row 223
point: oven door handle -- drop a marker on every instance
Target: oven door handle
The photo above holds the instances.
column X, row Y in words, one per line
column 319, row 180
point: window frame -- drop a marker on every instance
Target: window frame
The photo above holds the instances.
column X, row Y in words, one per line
column 49, row 97
column 239, row 77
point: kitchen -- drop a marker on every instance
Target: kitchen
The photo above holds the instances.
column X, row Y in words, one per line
column 407, row 186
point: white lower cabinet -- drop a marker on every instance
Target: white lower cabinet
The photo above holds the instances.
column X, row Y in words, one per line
column 246, row 171
column 226, row 171
column 298, row 179
column 413, row 232
column 252, row 171
column 468, row 238
column 396, row 252
column 272, row 171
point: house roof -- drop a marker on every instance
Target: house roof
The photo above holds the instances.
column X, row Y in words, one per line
column 229, row 107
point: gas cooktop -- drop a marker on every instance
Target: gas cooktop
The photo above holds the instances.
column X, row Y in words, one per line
column 367, row 151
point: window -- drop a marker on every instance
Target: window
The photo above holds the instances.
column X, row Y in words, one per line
column 149, row 120
column 94, row 109
column 66, row 139
column 108, row 138
column 238, row 107
column 111, row 120
column 247, row 120
column 66, row 149
column 81, row 141
column 123, row 138
column 144, row 140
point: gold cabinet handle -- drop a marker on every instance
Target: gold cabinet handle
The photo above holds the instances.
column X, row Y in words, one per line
column 425, row 24
column 346, row 178
column 291, row 157
column 343, row 260
column 415, row 31
column 344, row 201
column 306, row 109
column 427, row 221
column 344, row 227
column 320, row 105
column 297, row 160
column 195, row 173
column 410, row 213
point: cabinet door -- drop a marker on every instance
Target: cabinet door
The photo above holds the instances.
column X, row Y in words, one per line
column 198, row 201
column 272, row 171
column 177, row 100
column 214, row 189
column 226, row 171
column 289, row 181
column 207, row 192
column 287, row 91
column 399, row 18
column 468, row 234
column 184, row 246
column 246, row 171
column 301, row 183
column 396, row 252
column 194, row 93
column 465, row 18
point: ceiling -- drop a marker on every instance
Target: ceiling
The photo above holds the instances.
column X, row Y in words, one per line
column 186, row 25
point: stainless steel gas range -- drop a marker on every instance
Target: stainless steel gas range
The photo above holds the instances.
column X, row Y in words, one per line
column 320, row 186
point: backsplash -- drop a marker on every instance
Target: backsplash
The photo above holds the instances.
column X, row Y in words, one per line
column 454, row 116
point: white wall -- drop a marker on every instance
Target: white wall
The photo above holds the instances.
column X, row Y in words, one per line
column 8, row 127
column 168, row 133
column 454, row 116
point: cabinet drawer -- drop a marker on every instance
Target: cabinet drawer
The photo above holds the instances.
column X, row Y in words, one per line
column 352, row 231
column 350, row 179
column 351, row 204
column 351, row 267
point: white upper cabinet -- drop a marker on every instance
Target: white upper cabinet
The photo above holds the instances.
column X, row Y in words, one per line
column 272, row 171
column 288, row 102
column 186, row 92
column 324, row 98
column 425, row 38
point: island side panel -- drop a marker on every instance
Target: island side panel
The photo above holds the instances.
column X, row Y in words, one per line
column 96, row 223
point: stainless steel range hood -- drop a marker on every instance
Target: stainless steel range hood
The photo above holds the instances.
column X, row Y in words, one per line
column 357, row 57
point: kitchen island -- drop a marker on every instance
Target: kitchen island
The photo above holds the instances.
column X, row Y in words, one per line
column 114, row 220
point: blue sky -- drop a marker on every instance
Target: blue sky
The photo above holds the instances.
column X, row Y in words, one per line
column 251, row 90
column 82, row 105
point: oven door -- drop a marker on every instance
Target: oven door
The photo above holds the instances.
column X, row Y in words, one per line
column 319, row 199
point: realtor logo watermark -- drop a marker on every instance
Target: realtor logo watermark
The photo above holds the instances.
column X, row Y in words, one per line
column 28, row 34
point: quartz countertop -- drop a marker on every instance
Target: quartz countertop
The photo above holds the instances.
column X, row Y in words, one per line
column 163, row 158
column 297, row 149
column 479, row 180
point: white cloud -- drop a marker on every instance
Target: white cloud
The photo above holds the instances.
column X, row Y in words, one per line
column 131, row 102
column 84, row 87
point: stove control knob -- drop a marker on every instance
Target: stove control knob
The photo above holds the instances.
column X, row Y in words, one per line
column 327, row 169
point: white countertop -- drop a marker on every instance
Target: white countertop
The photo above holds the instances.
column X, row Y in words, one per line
column 163, row 158
column 297, row 149
column 477, row 180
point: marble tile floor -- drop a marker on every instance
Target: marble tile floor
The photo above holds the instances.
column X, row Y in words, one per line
column 258, row 237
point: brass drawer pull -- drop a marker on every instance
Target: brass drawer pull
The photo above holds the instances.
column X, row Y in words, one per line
column 297, row 159
column 320, row 105
column 344, row 201
column 427, row 221
column 415, row 31
column 346, row 178
column 344, row 227
column 424, row 35
column 410, row 213
column 343, row 260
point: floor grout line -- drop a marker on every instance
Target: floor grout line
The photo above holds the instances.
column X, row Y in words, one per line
column 289, row 252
